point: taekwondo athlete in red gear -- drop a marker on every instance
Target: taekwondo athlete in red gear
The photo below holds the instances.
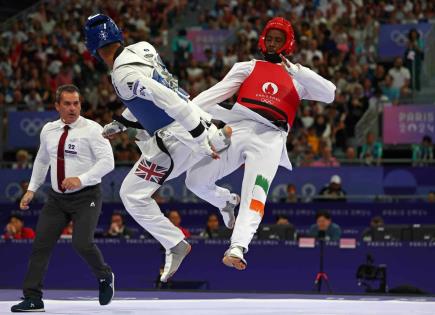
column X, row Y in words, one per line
column 269, row 92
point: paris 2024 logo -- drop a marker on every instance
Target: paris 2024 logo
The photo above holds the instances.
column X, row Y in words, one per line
column 270, row 88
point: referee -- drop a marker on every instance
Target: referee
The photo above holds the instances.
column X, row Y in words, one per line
column 78, row 157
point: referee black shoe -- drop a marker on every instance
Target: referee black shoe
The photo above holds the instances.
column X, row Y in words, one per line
column 28, row 305
column 107, row 289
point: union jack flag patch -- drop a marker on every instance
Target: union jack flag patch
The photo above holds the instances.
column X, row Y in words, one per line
column 150, row 171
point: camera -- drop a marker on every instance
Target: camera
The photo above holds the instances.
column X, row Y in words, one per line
column 369, row 274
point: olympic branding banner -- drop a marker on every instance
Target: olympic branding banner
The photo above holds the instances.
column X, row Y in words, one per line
column 356, row 181
column 202, row 39
column 24, row 127
column 407, row 124
column 393, row 38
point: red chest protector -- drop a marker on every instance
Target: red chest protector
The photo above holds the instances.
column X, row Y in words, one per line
column 270, row 92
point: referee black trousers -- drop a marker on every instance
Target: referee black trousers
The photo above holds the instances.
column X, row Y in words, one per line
column 83, row 208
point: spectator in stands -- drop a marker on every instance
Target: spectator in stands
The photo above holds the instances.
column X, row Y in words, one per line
column 23, row 160
column 332, row 231
column 357, row 106
column 17, row 100
column 67, row 232
column 333, row 191
column 375, row 222
column 307, row 117
column 117, row 228
column 350, row 155
column 307, row 158
column 401, row 77
column 292, row 196
column 371, row 151
column 124, row 148
column 422, row 154
column 282, row 220
column 65, row 75
column 322, row 127
column 326, row 160
column 431, row 197
column 15, row 229
column 182, row 48
column 313, row 140
column 379, row 75
column 377, row 100
column 175, row 218
column 34, row 101
column 390, row 91
column 212, row 228
column 413, row 56
column 339, row 133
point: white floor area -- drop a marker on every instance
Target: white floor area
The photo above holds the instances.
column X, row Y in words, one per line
column 237, row 307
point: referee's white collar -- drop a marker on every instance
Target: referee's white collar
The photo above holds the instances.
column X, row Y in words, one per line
column 73, row 125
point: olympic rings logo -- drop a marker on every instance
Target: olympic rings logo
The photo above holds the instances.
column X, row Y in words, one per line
column 13, row 191
column 401, row 38
column 31, row 127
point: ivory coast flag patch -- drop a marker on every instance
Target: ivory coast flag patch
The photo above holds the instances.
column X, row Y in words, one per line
column 259, row 194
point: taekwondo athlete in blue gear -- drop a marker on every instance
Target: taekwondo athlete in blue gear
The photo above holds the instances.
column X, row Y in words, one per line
column 143, row 83
column 173, row 129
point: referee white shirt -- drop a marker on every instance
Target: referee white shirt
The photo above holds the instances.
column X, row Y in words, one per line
column 87, row 154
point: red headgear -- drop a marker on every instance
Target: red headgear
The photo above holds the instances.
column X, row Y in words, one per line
column 281, row 24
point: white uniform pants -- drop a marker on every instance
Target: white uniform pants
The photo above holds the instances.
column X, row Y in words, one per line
column 257, row 146
column 143, row 180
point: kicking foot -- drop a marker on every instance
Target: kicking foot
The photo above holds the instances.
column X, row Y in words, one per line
column 233, row 258
column 174, row 257
column 228, row 211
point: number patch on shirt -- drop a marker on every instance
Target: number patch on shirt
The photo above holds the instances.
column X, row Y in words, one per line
column 71, row 147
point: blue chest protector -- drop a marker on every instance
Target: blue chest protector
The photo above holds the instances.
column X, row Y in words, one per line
column 148, row 114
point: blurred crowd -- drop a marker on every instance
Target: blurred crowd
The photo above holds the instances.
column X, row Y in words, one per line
column 338, row 39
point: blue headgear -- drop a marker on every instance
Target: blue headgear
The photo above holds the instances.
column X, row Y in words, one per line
column 101, row 30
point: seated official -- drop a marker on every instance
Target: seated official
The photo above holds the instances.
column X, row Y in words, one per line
column 332, row 231
column 212, row 228
column 117, row 228
column 175, row 218
column 282, row 220
column 375, row 222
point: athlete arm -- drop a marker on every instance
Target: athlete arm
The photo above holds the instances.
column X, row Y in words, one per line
column 226, row 88
column 127, row 119
column 316, row 88
column 132, row 84
column 121, row 123
column 311, row 86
